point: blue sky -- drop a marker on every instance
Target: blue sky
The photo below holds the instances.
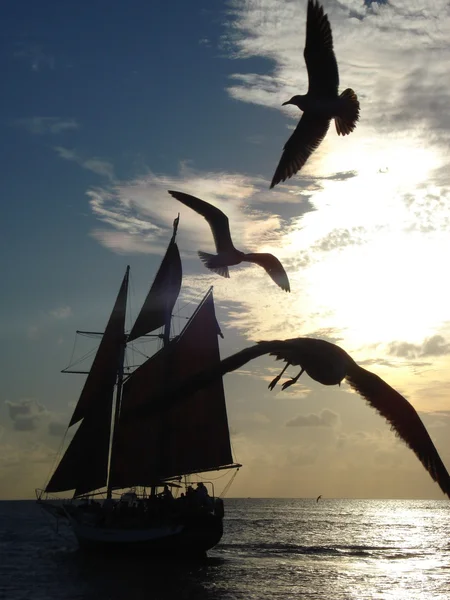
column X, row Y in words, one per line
column 106, row 106
column 107, row 83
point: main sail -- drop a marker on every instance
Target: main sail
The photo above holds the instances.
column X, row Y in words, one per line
column 84, row 466
column 188, row 437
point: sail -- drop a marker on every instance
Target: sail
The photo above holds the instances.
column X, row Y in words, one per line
column 84, row 465
column 163, row 294
column 103, row 374
column 190, row 436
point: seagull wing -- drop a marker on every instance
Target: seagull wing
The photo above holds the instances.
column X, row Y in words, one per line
column 217, row 220
column 273, row 267
column 306, row 138
column 231, row 363
column 403, row 418
column 179, row 392
column 319, row 55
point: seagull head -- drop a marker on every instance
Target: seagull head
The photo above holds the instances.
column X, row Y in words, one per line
column 297, row 101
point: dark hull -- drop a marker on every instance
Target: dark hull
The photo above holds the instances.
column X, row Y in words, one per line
column 193, row 537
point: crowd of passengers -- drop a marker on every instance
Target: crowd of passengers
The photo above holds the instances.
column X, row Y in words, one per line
column 194, row 501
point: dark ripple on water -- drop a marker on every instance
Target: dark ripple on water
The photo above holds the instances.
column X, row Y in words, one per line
column 375, row 552
column 271, row 549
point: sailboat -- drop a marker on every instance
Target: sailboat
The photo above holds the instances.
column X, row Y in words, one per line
column 132, row 478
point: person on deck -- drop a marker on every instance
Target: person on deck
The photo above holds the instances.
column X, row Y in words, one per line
column 167, row 494
column 202, row 493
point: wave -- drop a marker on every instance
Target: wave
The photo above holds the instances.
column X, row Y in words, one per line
column 267, row 549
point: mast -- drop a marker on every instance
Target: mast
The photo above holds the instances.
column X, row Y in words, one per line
column 155, row 313
column 168, row 311
column 118, row 397
column 159, row 438
column 166, row 350
column 171, row 438
column 84, row 465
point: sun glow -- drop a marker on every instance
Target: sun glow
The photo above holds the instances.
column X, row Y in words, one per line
column 390, row 289
column 374, row 247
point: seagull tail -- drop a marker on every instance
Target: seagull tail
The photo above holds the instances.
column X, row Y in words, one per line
column 346, row 121
column 213, row 263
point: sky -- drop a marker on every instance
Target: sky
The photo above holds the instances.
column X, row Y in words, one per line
column 107, row 105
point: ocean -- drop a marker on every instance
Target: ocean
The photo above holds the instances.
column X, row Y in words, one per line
column 271, row 548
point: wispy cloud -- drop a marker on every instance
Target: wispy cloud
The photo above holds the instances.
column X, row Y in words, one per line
column 361, row 229
column 326, row 418
column 97, row 165
column 62, row 312
column 434, row 346
column 35, row 55
column 29, row 415
column 46, row 125
column 399, row 73
column 57, row 428
column 33, row 332
column 25, row 414
column 45, row 321
column 139, row 213
column 408, row 45
column 205, row 42
column 347, row 228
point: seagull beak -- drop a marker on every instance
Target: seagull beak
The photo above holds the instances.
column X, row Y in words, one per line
column 284, row 103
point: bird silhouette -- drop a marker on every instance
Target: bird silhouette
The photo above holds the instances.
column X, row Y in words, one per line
column 329, row 364
column 322, row 102
column 227, row 255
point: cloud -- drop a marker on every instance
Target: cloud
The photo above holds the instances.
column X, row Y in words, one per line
column 46, row 320
column 351, row 235
column 46, row 125
column 399, row 73
column 35, row 56
column 361, row 229
column 405, row 50
column 33, row 332
column 28, row 415
column 63, row 312
column 96, row 165
column 57, row 428
column 326, row 418
column 251, row 420
column 340, row 238
column 25, row 423
column 139, row 214
column 436, row 419
column 342, row 176
column 433, row 346
column 295, row 393
column 299, row 456
column 25, row 414
column 375, row 441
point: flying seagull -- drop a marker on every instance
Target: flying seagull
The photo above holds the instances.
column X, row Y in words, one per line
column 318, row 498
column 227, row 255
column 329, row 364
column 322, row 102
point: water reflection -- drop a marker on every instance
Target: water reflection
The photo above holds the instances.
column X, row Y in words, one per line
column 271, row 548
column 138, row 577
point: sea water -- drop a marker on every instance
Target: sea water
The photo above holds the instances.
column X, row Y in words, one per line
column 271, row 548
